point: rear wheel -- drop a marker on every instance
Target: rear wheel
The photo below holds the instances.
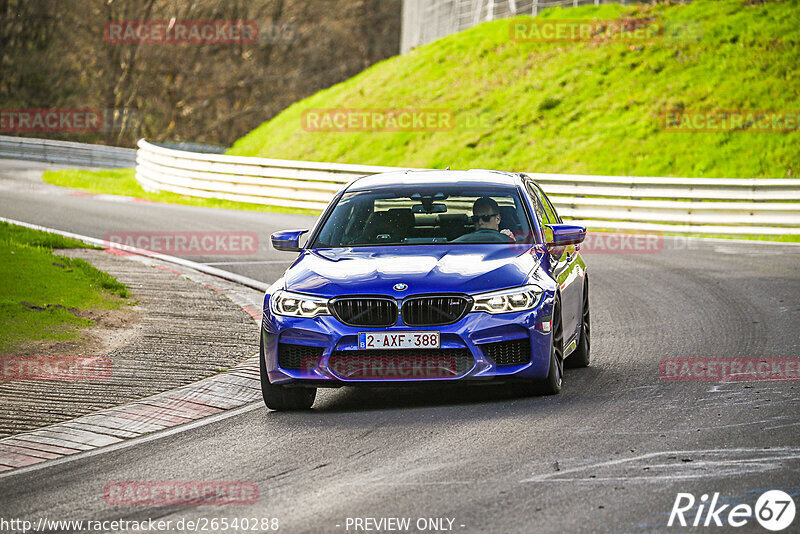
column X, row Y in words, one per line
column 282, row 398
column 580, row 358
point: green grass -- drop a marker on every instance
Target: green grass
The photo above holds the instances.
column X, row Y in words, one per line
column 37, row 238
column 779, row 238
column 785, row 238
column 39, row 289
column 123, row 182
column 585, row 108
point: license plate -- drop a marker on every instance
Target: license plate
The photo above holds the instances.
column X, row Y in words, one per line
column 398, row 340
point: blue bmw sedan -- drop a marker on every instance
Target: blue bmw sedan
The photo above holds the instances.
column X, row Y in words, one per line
column 417, row 277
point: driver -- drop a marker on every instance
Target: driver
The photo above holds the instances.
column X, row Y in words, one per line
column 486, row 216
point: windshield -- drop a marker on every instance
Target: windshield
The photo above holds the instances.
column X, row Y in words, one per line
column 411, row 216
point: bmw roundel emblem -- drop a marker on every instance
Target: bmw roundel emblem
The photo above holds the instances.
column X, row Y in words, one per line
column 400, row 287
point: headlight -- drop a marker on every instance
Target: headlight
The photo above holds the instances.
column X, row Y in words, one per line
column 297, row 305
column 509, row 300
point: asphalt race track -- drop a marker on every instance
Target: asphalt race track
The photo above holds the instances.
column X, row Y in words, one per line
column 609, row 454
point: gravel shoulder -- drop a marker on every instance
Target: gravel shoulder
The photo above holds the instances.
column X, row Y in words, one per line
column 184, row 327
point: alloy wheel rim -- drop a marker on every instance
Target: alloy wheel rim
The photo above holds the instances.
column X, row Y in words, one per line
column 586, row 319
column 558, row 344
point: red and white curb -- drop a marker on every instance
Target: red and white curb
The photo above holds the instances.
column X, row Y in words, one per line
column 231, row 389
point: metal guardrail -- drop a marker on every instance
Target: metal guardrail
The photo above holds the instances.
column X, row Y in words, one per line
column 194, row 147
column 66, row 152
column 683, row 205
column 427, row 20
column 274, row 182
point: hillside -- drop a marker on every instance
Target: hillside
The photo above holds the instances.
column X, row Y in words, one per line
column 589, row 107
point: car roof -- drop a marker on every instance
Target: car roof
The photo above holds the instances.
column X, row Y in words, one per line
column 478, row 177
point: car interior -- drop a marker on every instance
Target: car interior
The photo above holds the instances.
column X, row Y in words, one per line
column 377, row 221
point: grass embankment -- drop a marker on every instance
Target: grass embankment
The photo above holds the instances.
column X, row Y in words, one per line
column 41, row 292
column 584, row 107
column 123, row 182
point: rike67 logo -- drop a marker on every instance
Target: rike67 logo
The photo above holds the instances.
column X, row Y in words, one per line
column 774, row 510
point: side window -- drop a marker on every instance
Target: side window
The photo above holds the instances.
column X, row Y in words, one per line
column 548, row 207
column 541, row 214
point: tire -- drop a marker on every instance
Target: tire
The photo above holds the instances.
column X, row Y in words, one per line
column 580, row 357
column 283, row 398
column 555, row 376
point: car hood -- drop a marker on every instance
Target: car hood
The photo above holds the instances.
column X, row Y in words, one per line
column 424, row 269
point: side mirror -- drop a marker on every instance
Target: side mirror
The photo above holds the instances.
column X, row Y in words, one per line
column 288, row 240
column 561, row 235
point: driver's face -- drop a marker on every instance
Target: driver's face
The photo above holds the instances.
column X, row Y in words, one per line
column 481, row 222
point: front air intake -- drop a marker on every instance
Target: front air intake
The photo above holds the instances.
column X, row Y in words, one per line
column 514, row 352
column 298, row 357
column 401, row 364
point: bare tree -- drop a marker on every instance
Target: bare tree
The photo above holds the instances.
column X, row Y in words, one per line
column 54, row 54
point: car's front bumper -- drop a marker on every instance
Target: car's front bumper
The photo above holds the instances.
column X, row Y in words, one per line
column 467, row 347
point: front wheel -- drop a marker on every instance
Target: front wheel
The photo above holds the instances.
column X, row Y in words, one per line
column 283, row 398
column 552, row 384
